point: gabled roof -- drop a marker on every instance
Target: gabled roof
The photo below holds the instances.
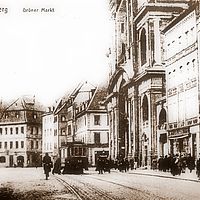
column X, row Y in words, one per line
column 99, row 97
column 24, row 103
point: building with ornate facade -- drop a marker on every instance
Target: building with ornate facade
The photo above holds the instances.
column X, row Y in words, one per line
column 136, row 99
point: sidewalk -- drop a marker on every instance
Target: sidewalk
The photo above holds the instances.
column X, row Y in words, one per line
column 187, row 176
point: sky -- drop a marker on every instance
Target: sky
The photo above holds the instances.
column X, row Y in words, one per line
column 47, row 54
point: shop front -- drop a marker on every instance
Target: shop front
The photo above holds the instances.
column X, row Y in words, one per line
column 183, row 142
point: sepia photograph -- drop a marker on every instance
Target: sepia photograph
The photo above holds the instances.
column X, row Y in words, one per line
column 100, row 99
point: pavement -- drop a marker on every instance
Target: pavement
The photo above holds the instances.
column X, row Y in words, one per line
column 187, row 176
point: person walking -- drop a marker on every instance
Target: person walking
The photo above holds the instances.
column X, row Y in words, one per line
column 57, row 166
column 47, row 164
column 198, row 168
column 190, row 162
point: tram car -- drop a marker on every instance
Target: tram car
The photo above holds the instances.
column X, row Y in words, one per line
column 74, row 158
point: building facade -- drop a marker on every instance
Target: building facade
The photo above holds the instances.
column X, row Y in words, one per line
column 182, row 83
column 92, row 123
column 137, row 84
column 80, row 118
column 49, row 134
column 21, row 133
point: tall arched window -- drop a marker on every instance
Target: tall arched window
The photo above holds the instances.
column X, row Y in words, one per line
column 162, row 117
column 145, row 109
column 143, row 47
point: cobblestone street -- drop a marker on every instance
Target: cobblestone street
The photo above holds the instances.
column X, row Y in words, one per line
column 29, row 183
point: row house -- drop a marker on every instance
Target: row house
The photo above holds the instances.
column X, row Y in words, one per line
column 137, row 85
column 21, row 133
column 80, row 118
column 92, row 123
column 49, row 133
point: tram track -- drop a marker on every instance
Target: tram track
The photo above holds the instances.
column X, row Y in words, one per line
column 84, row 191
column 128, row 187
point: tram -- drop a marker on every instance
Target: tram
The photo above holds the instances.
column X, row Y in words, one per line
column 74, row 158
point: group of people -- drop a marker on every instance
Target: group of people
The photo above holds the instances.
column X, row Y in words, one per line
column 48, row 164
column 177, row 164
column 104, row 164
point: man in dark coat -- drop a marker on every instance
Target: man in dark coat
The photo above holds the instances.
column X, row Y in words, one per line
column 47, row 163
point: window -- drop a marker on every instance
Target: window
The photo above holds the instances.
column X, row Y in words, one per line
column 63, row 118
column 37, row 145
column 31, row 130
column 37, row 130
column 69, row 130
column 6, row 130
column 11, row 131
column 122, row 27
column 16, row 144
column 143, row 47
column 0, row 131
column 162, row 117
column 145, row 109
column 31, row 144
column 34, row 116
column 96, row 119
column 63, row 131
column 97, row 138
column 55, row 119
column 17, row 114
column 11, row 145
column 5, row 145
column 6, row 115
column 0, row 145
column 55, row 132
column 22, row 129
column 123, row 49
column 22, row 144
column 17, row 130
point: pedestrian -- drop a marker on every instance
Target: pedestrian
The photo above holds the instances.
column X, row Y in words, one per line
column 160, row 163
column 47, row 164
column 175, row 168
column 126, row 162
column 100, row 166
column 198, row 168
column 57, row 166
column 190, row 162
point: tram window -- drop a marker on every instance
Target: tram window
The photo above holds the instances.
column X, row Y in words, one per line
column 84, row 151
column 72, row 151
column 76, row 151
column 80, row 151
